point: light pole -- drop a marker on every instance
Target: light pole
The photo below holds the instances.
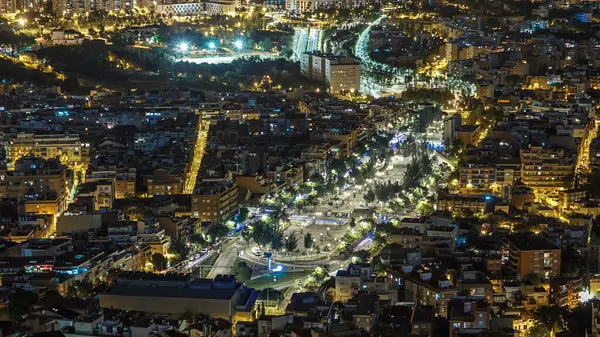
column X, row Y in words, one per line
column 238, row 44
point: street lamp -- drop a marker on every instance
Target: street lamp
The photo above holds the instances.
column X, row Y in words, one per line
column 212, row 45
column 184, row 46
column 239, row 44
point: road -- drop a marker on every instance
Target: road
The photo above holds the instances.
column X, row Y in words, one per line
column 198, row 153
column 348, row 199
column 226, row 259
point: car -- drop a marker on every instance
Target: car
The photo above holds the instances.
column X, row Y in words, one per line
column 204, row 250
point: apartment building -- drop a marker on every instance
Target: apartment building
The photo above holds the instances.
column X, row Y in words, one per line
column 12, row 6
column 163, row 182
column 528, row 254
column 358, row 278
column 215, row 201
column 70, row 7
column 309, row 6
column 33, row 178
column 102, row 192
column 67, row 147
column 457, row 202
column 477, row 175
column 545, row 169
column 342, row 74
column 468, row 315
column 124, row 180
column 427, row 287
column 287, row 174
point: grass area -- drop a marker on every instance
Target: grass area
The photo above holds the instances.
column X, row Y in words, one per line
column 267, row 281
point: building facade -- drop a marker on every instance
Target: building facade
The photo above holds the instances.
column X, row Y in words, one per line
column 215, row 201
column 342, row 74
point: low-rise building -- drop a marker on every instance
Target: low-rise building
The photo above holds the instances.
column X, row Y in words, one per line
column 170, row 294
column 163, row 182
column 468, row 314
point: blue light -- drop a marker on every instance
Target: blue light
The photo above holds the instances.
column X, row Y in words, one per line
column 212, row 45
column 488, row 198
column 278, row 268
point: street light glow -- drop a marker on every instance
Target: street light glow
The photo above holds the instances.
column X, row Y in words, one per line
column 238, row 44
column 184, row 46
column 212, row 45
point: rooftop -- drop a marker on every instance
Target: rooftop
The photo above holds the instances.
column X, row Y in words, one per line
column 530, row 242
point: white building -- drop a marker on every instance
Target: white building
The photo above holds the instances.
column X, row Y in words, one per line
column 181, row 9
column 308, row 6
column 66, row 37
column 342, row 74
column 198, row 8
column 220, row 7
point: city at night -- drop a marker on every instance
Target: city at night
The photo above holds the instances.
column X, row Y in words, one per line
column 299, row 168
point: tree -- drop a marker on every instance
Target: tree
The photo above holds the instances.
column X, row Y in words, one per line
column 20, row 303
column 277, row 240
column 216, row 231
column 159, row 262
column 369, row 196
column 266, row 44
column 291, row 242
column 71, row 84
column 270, row 295
column 308, row 240
column 82, row 289
column 242, row 271
column 538, row 330
column 533, row 278
column 425, row 208
column 549, row 320
column 180, row 250
column 243, row 214
column 247, row 233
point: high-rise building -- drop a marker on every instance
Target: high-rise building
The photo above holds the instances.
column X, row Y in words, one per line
column 80, row 7
column 12, row 6
column 342, row 74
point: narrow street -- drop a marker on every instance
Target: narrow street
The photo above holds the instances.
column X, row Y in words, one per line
column 199, row 147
